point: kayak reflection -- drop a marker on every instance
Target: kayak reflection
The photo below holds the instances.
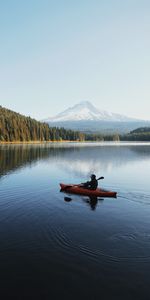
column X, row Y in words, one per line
column 91, row 201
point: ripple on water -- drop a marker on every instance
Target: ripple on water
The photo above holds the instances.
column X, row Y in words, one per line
column 120, row 247
column 136, row 197
column 131, row 246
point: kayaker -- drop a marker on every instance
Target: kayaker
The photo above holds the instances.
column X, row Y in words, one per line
column 92, row 184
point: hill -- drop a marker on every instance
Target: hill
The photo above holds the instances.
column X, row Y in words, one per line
column 141, row 130
column 140, row 134
column 17, row 127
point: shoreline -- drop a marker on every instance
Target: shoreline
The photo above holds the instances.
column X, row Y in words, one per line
column 71, row 141
column 45, row 142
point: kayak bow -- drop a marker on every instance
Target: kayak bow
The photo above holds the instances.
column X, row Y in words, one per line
column 79, row 190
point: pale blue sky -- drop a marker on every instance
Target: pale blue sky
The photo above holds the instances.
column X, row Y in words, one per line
column 54, row 54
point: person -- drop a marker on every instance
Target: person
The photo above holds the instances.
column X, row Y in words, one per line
column 92, row 184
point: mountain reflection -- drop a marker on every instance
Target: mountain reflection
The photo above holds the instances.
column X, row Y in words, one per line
column 82, row 161
column 75, row 158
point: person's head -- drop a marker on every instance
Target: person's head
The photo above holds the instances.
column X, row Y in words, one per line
column 93, row 176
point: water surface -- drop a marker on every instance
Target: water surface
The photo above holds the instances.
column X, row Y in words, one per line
column 51, row 248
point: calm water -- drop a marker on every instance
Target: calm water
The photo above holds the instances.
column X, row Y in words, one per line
column 51, row 248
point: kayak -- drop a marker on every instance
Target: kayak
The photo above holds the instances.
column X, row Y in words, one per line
column 79, row 190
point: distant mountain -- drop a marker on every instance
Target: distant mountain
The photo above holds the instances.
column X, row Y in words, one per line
column 85, row 117
column 86, row 111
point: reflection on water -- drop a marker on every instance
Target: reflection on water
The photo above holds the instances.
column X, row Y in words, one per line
column 91, row 201
column 13, row 157
column 55, row 246
column 82, row 160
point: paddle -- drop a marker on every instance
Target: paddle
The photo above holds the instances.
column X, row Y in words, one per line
column 100, row 178
column 71, row 185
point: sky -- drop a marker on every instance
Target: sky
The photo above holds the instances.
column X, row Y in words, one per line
column 56, row 53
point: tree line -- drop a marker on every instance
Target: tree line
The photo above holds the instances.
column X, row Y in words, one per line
column 16, row 127
column 140, row 134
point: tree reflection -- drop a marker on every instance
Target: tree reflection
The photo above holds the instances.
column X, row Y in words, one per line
column 77, row 159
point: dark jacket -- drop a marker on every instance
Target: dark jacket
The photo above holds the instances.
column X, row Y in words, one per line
column 92, row 184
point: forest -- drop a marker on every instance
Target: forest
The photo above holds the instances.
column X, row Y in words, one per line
column 140, row 134
column 15, row 127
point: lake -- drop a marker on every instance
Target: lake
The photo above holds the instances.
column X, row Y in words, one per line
column 51, row 248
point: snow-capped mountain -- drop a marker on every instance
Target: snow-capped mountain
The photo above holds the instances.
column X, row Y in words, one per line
column 85, row 117
column 86, row 111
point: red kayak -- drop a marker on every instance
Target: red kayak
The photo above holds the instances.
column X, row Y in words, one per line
column 79, row 190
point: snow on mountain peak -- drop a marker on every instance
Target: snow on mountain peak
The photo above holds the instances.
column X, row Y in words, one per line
column 86, row 111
